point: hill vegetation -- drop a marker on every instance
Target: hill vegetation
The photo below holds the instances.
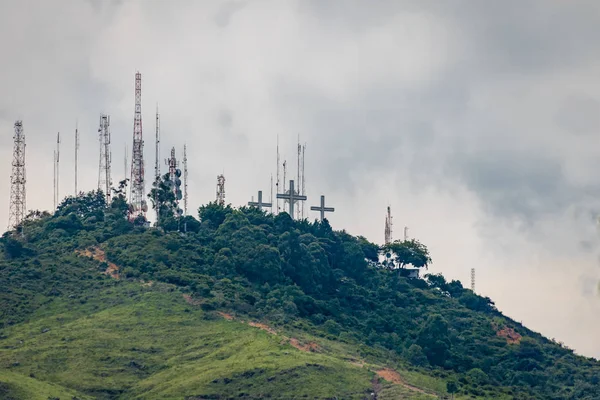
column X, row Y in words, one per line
column 245, row 304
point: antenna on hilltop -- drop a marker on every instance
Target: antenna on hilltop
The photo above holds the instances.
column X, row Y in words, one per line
column 405, row 233
column 277, row 184
column 76, row 154
column 157, row 165
column 388, row 226
column 137, row 201
column 185, row 181
column 17, row 179
column 221, row 190
column 56, row 170
column 473, row 280
column 104, row 178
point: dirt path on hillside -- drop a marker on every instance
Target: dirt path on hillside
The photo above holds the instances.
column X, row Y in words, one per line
column 393, row 376
column 311, row 347
column 97, row 254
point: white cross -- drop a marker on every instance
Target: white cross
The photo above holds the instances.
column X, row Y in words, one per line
column 291, row 196
column 322, row 208
column 259, row 203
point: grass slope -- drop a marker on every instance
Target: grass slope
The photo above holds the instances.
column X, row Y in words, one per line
column 148, row 343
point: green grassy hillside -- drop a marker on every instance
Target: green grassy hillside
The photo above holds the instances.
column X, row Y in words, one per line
column 248, row 305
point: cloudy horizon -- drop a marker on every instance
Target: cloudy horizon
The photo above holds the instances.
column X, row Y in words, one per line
column 477, row 122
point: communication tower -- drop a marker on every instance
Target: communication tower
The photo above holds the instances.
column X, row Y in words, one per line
column 388, row 226
column 56, row 170
column 185, row 180
column 277, row 184
column 76, row 155
column 221, row 190
column 104, row 178
column 18, row 179
column 473, row 280
column 138, row 206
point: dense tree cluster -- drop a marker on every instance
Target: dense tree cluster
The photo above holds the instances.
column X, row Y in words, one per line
column 283, row 270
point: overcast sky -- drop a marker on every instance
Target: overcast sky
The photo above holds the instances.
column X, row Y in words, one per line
column 477, row 122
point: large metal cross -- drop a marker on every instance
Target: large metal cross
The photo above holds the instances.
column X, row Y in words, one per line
column 259, row 203
column 322, row 208
column 292, row 197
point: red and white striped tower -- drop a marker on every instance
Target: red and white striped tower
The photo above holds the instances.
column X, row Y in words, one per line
column 138, row 206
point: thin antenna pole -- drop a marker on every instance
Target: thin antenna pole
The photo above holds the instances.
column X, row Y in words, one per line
column 284, row 174
column 76, row 153
column 57, row 168
column 54, row 181
column 157, row 165
column 405, row 233
column 298, row 210
column 277, row 185
column 271, row 199
column 157, row 146
column 473, row 280
column 303, row 178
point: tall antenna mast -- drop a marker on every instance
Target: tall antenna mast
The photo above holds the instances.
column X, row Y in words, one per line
column 277, row 184
column 157, row 147
column 271, row 199
column 137, row 201
column 284, row 174
column 473, row 280
column 299, row 210
column 104, row 178
column 76, row 155
column 221, row 190
column 185, row 181
column 405, row 233
column 18, row 178
column 56, row 170
column 388, row 226
column 303, row 191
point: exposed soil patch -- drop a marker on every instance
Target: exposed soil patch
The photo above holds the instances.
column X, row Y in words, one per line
column 511, row 336
column 308, row 347
column 393, row 376
column 190, row 300
column 98, row 254
column 264, row 327
column 228, row 317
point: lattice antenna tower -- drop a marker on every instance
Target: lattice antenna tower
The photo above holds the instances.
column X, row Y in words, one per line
column 405, row 233
column 388, row 226
column 221, row 190
column 56, row 170
column 18, row 178
column 137, row 200
column 104, row 177
column 473, row 280
column 76, row 154
column 185, row 181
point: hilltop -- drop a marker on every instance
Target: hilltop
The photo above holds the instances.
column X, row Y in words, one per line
column 250, row 305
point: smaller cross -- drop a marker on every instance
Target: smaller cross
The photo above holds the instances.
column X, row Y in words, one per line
column 259, row 203
column 322, row 208
column 292, row 197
